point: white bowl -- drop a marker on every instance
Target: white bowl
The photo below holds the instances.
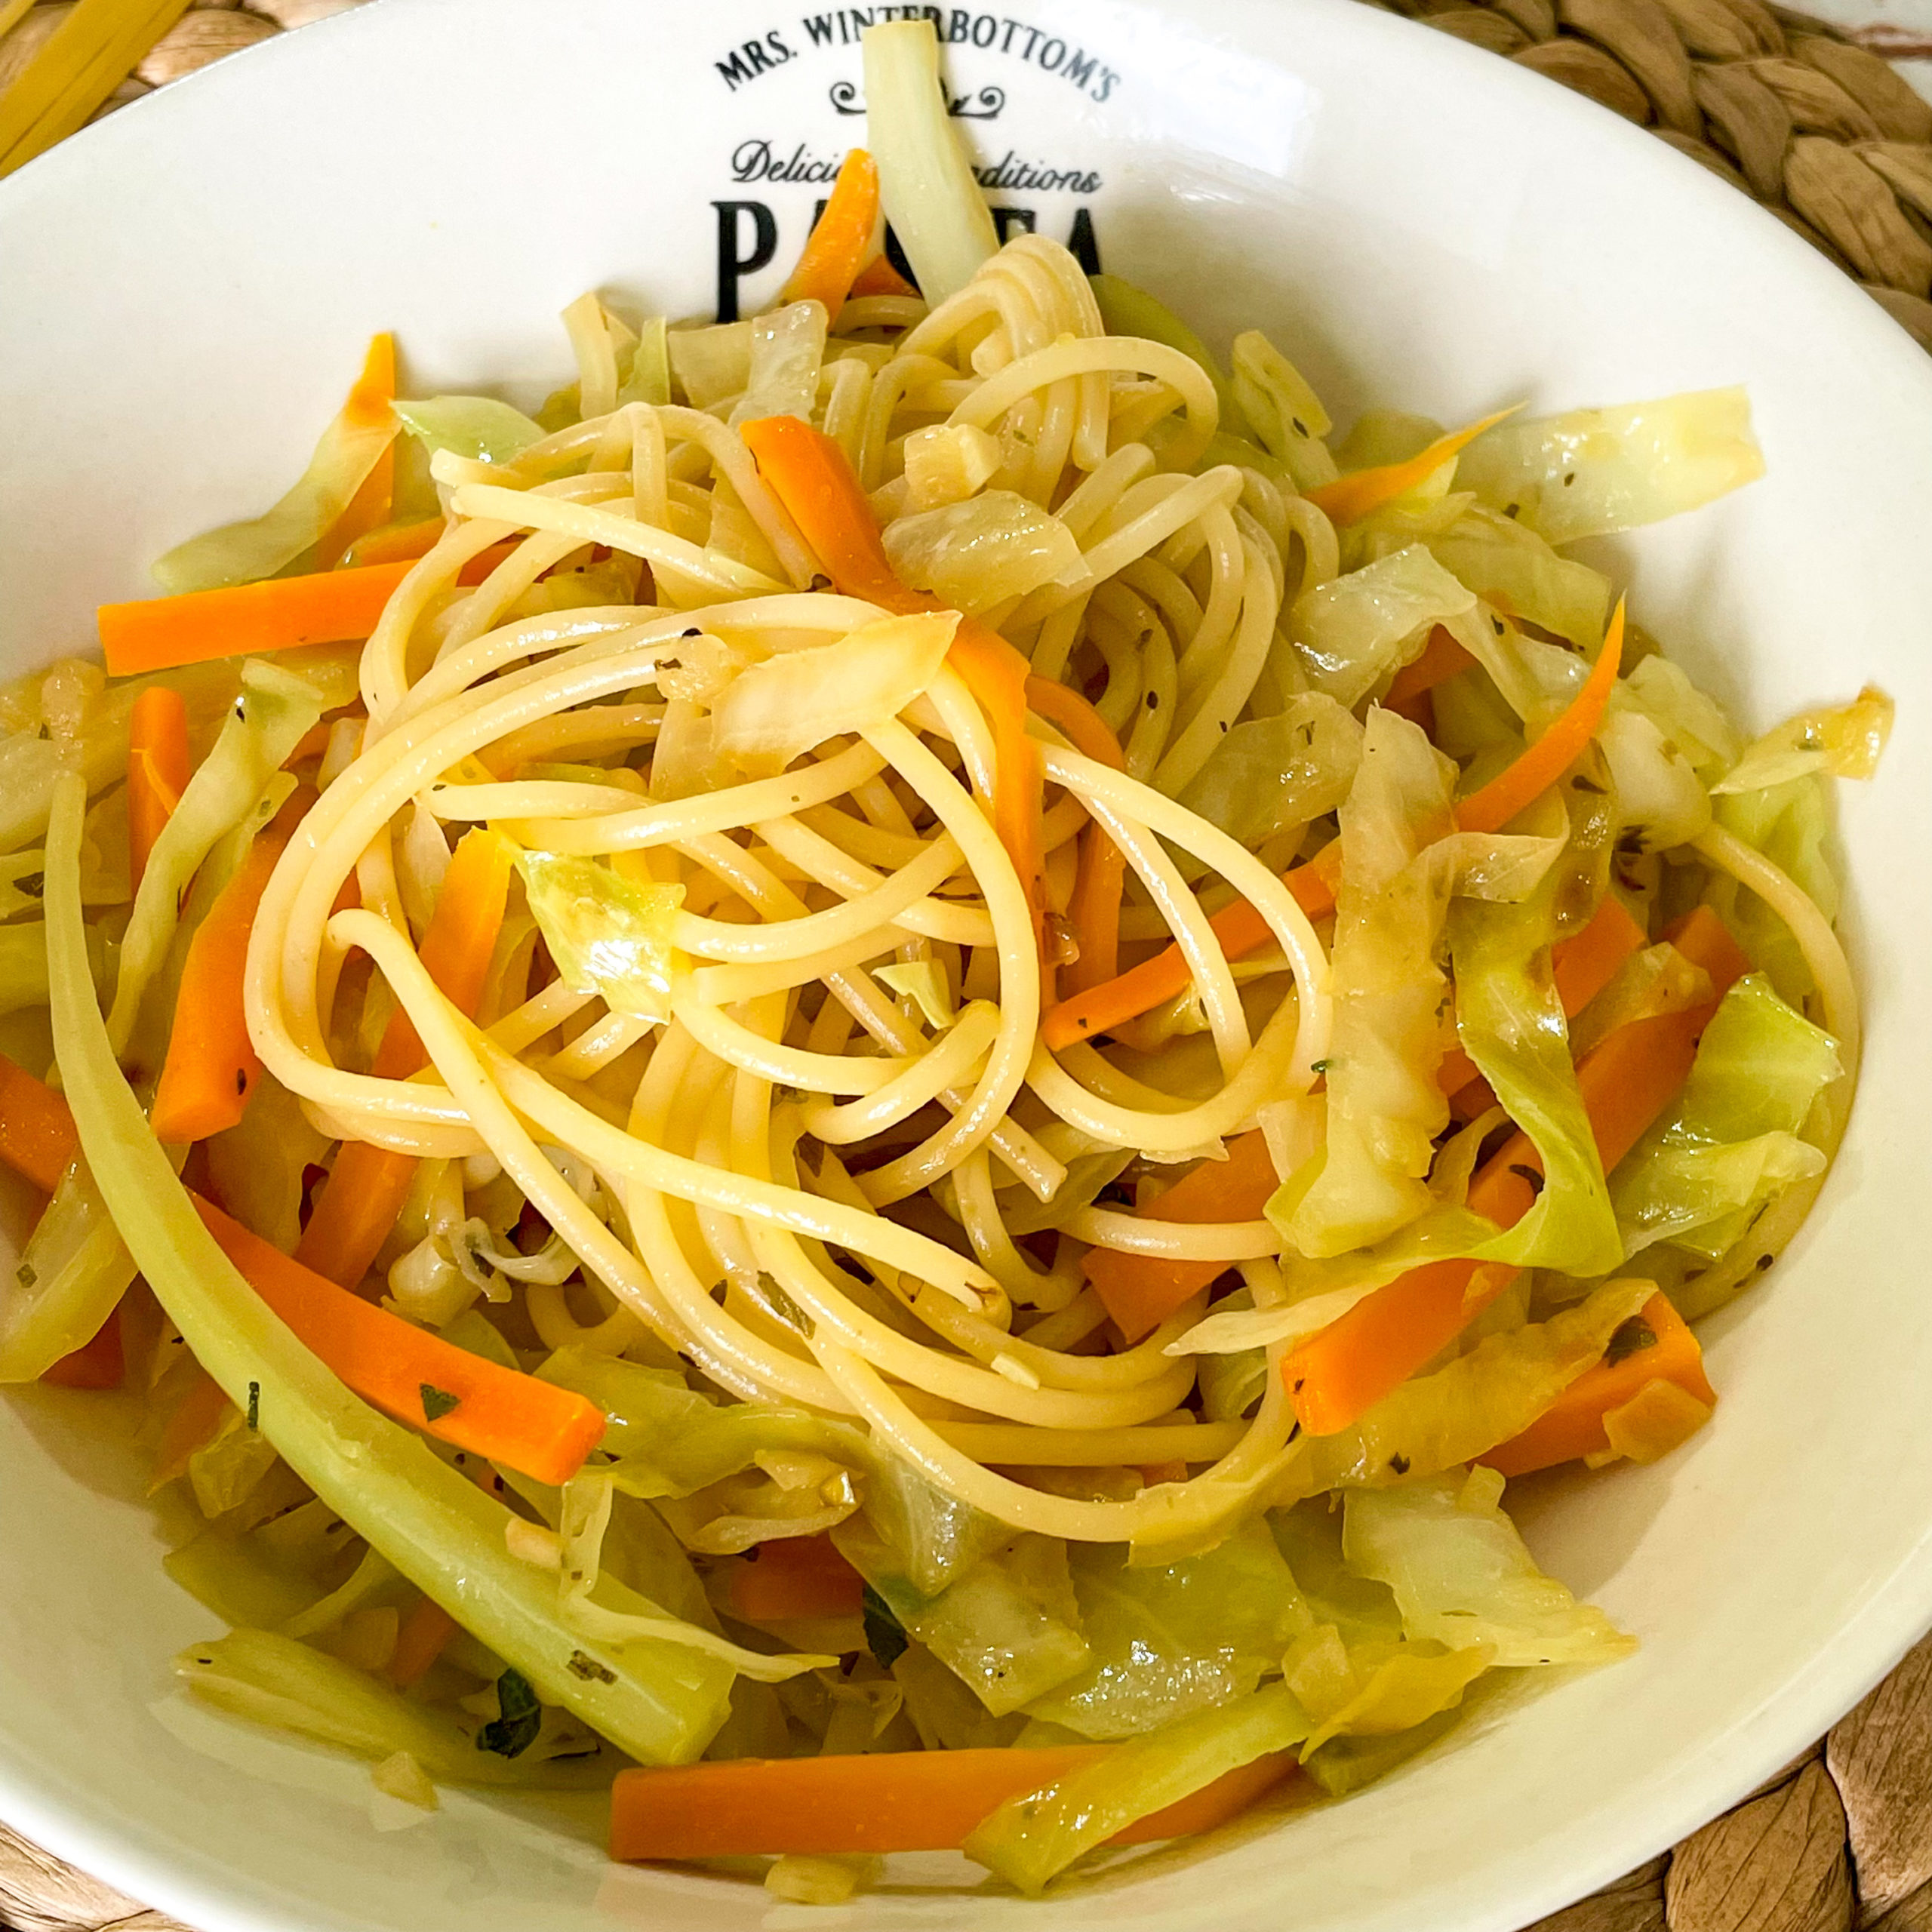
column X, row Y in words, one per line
column 186, row 291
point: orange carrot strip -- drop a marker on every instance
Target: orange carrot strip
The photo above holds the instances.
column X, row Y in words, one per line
column 1572, row 1427
column 1350, row 498
column 1239, row 927
column 1093, row 913
column 879, row 277
column 369, row 403
column 1140, row 1291
column 795, row 1577
column 1581, row 966
column 814, row 479
column 212, row 1065
column 1626, row 1082
column 396, row 542
column 1442, row 657
column 367, row 1186
column 157, row 770
column 425, row 1631
column 499, row 1413
column 875, row 1801
column 840, row 239
column 1520, row 785
column 196, row 1417
column 327, row 607
column 37, row 1136
column 98, row 1364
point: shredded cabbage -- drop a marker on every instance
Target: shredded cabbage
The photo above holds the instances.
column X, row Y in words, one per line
column 1287, row 415
column 607, row 934
column 946, row 462
column 1269, row 775
column 1591, row 472
column 771, row 712
column 1512, row 568
column 1731, row 1142
column 1693, row 721
column 781, row 373
column 477, row 427
column 978, row 553
column 1462, row 1576
column 71, row 1276
column 712, row 364
column 646, row 377
column 1660, row 801
column 925, row 182
column 245, row 552
column 1029, row 1839
column 1170, row 1639
column 1845, row 741
column 1355, row 630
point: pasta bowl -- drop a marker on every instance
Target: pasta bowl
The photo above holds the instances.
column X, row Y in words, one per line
column 1427, row 229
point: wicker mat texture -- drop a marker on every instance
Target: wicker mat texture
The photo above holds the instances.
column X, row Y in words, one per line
column 1829, row 137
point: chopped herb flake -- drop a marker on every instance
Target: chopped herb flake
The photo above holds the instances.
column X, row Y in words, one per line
column 512, row 1734
column 437, row 1403
column 1627, row 1339
column 584, row 1665
column 1320, row 1065
column 255, row 1406
column 885, row 1635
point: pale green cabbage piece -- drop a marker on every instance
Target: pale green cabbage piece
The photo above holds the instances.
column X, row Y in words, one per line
column 1462, row 1576
column 73, row 1274
column 1693, row 720
column 1845, row 741
column 1031, row 1838
column 277, row 1680
column 771, row 712
column 647, row 375
column 1731, row 1142
column 781, row 373
column 1355, row 630
column 1287, row 415
column 1513, row 568
column 1661, row 802
column 973, row 554
column 478, row 427
column 1170, row 1639
column 1791, row 824
column 608, row 934
column 711, row 364
column 1590, row 472
column 926, row 184
column 659, row 1702
column 245, row 552
column 1269, row 774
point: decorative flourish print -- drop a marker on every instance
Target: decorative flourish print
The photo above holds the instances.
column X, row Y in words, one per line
column 986, row 105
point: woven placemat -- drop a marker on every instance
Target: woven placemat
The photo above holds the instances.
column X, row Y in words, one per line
column 1828, row 136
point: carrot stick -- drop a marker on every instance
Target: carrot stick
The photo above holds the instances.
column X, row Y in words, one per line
column 212, row 1065
column 396, row 542
column 814, row 479
column 795, row 1577
column 1581, row 966
column 1140, row 1291
column 37, row 1136
column 840, row 239
column 876, row 1801
column 327, row 607
column 1572, row 1426
column 879, row 277
column 1093, row 913
column 367, row 1186
column 1626, row 1082
column 1442, row 657
column 425, row 1631
column 98, row 1364
column 1241, row 928
column 157, row 770
column 369, row 401
column 1520, row 785
column 499, row 1413
column 1350, row 498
